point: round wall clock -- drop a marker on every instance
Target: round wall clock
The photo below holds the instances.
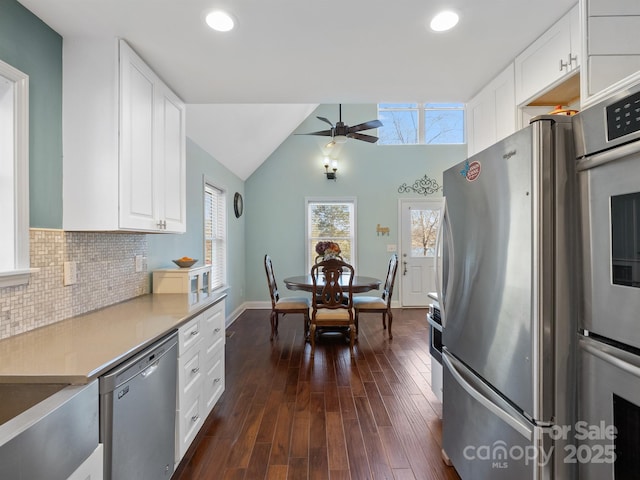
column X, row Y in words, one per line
column 237, row 204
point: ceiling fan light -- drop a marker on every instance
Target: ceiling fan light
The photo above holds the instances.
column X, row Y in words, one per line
column 340, row 138
column 444, row 21
column 220, row 21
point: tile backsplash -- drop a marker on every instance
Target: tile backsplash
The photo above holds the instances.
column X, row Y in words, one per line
column 105, row 275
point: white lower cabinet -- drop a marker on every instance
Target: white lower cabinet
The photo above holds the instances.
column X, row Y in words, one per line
column 92, row 468
column 200, row 373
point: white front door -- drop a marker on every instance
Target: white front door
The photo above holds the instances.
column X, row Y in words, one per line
column 419, row 223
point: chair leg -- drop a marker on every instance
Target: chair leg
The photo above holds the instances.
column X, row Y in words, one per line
column 384, row 321
column 356, row 322
column 274, row 324
column 313, row 338
column 306, row 327
column 390, row 321
column 352, row 337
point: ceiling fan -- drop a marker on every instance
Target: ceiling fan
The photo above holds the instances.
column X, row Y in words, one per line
column 340, row 132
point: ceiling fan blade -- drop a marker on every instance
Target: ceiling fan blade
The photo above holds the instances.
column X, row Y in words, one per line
column 325, row 120
column 364, row 137
column 322, row 133
column 365, row 126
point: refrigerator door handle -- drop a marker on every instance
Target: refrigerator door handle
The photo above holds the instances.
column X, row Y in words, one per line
column 439, row 282
column 626, row 362
column 521, row 426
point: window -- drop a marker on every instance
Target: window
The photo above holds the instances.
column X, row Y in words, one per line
column 215, row 234
column 14, row 176
column 421, row 123
column 331, row 220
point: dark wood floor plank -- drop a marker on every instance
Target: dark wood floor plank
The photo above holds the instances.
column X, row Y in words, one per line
column 335, row 416
column 358, row 462
column 300, row 437
column 270, row 417
column 259, row 461
column 318, row 454
column 282, row 437
column 336, row 447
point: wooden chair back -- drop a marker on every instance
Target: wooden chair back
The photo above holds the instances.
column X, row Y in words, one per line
column 330, row 291
column 271, row 280
column 390, row 281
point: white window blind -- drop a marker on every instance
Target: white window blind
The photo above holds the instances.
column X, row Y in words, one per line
column 215, row 233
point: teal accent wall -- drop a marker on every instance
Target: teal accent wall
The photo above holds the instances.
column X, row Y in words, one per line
column 163, row 248
column 276, row 191
column 274, row 195
column 29, row 45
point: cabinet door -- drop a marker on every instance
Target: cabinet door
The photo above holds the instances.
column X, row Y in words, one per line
column 137, row 110
column 171, row 162
column 545, row 61
column 491, row 113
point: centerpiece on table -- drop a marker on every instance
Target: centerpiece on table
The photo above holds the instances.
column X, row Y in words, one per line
column 327, row 250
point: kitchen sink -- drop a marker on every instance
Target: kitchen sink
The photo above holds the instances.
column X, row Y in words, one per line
column 47, row 430
column 16, row 398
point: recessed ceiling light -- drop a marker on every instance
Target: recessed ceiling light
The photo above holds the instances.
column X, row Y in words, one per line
column 444, row 21
column 220, row 21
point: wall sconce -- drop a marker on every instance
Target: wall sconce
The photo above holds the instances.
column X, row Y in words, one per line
column 333, row 162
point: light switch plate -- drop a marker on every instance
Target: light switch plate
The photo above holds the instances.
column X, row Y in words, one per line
column 392, row 248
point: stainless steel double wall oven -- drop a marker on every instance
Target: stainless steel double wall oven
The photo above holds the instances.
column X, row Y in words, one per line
column 608, row 149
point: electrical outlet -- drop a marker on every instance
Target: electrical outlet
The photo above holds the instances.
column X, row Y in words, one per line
column 392, row 248
column 70, row 273
column 139, row 263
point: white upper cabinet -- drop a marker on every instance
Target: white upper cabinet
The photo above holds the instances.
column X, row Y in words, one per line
column 612, row 46
column 548, row 61
column 123, row 142
column 491, row 114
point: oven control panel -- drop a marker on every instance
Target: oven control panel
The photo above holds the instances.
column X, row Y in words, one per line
column 623, row 117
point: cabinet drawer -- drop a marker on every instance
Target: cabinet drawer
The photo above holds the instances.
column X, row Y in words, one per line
column 190, row 419
column 190, row 371
column 214, row 380
column 189, row 334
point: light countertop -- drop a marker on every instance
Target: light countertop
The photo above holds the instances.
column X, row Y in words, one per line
column 79, row 349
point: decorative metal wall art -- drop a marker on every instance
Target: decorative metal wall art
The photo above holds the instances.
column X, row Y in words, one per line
column 423, row 186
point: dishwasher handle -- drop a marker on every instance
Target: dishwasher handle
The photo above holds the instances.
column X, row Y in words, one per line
column 138, row 364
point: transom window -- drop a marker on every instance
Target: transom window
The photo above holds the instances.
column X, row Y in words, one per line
column 215, row 234
column 421, row 123
column 331, row 220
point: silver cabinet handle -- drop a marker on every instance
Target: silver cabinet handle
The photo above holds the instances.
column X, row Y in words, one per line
column 563, row 65
column 195, row 418
column 216, row 330
column 195, row 370
column 217, row 380
column 194, row 333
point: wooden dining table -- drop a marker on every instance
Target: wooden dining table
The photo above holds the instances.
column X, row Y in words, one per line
column 305, row 283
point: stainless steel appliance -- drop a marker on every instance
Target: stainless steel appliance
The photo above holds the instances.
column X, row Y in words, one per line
column 509, row 305
column 434, row 319
column 608, row 151
column 138, row 414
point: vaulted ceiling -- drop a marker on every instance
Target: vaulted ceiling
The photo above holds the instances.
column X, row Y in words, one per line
column 286, row 56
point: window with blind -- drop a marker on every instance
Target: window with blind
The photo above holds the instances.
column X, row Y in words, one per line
column 215, row 234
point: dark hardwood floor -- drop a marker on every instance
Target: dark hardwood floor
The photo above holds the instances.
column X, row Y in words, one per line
column 284, row 415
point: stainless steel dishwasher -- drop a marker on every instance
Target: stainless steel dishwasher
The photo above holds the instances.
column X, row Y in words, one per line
column 137, row 414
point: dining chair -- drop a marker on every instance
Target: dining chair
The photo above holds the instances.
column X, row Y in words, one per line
column 380, row 304
column 333, row 301
column 284, row 305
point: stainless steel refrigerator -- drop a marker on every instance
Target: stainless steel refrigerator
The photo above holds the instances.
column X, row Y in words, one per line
column 509, row 290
